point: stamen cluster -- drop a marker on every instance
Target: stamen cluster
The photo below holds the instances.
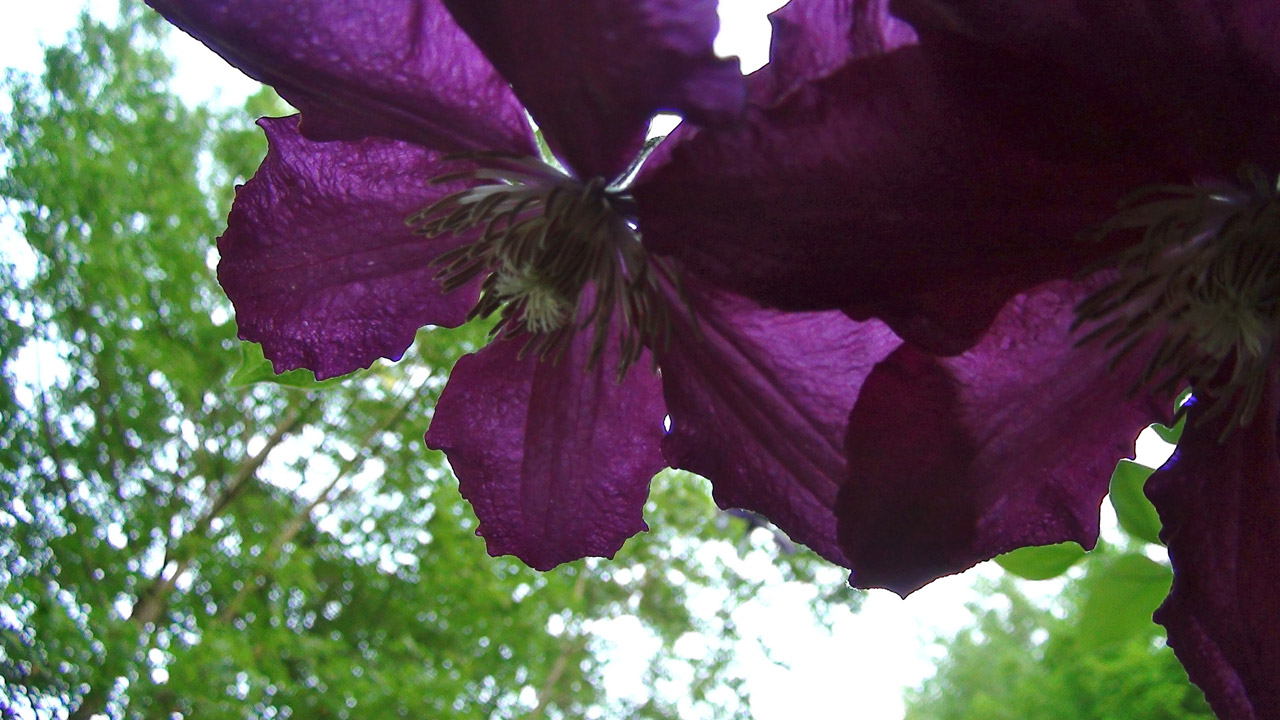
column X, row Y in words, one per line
column 557, row 255
column 1204, row 284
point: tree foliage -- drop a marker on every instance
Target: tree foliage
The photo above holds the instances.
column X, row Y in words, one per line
column 1023, row 660
column 1092, row 653
column 178, row 538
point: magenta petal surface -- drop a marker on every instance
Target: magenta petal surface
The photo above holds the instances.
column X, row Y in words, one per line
column 1220, row 508
column 873, row 187
column 759, row 400
column 1179, row 69
column 395, row 68
column 955, row 460
column 555, row 458
column 1199, row 77
column 967, row 161
column 593, row 73
column 812, row 39
column 318, row 261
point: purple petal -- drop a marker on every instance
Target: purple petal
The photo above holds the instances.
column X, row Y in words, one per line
column 953, row 461
column 396, row 68
column 946, row 319
column 593, row 73
column 1220, row 508
column 759, row 400
column 952, row 164
column 1198, row 76
column 555, row 458
column 317, row 258
column 871, row 188
column 812, row 39
column 1257, row 24
column 1178, row 49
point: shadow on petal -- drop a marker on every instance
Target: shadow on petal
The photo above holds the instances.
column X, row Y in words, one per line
column 955, row 460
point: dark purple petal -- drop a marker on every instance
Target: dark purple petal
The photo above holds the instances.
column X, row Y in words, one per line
column 955, row 460
column 1220, row 508
column 593, row 73
column 396, row 68
column 1200, row 76
column 811, row 39
column 1204, row 74
column 555, row 458
column 759, row 400
column 317, row 258
column 945, row 319
column 872, row 187
column 1257, row 25
column 951, row 164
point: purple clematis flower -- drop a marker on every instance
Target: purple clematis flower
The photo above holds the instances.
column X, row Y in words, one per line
column 409, row 192
column 931, row 180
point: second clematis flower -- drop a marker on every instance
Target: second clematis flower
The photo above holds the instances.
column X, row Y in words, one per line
column 410, row 192
column 937, row 185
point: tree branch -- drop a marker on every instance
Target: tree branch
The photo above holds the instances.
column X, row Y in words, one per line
column 299, row 520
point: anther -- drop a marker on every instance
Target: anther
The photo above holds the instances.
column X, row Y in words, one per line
column 1203, row 286
column 558, row 255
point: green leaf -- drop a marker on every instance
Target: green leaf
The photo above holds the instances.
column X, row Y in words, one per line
column 1183, row 397
column 256, row 368
column 1170, row 434
column 1120, row 599
column 1043, row 562
column 1135, row 512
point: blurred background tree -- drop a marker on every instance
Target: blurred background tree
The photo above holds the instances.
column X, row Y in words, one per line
column 1026, row 659
column 184, row 534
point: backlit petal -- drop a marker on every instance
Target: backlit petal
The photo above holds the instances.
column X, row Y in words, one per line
column 555, row 458
column 396, row 68
column 317, row 258
column 872, row 188
column 759, row 400
column 1201, row 74
column 955, row 460
column 593, row 73
column 814, row 38
column 957, row 167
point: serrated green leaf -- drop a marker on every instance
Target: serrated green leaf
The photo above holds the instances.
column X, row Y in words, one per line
column 256, row 368
column 1042, row 562
column 1120, row 599
column 1135, row 512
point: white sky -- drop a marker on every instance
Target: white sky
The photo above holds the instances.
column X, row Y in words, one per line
column 860, row 670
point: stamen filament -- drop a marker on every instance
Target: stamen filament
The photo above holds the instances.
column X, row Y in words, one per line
column 558, row 256
column 1204, row 285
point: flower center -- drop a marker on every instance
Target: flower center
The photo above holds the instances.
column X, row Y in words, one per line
column 557, row 255
column 1205, row 281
